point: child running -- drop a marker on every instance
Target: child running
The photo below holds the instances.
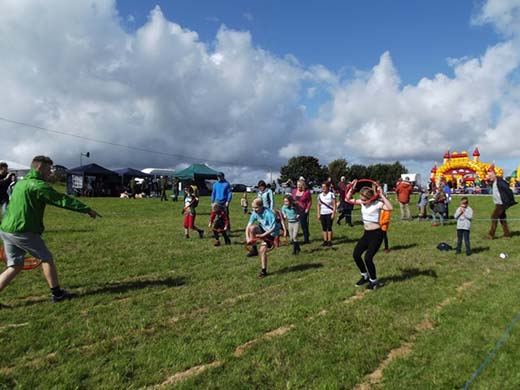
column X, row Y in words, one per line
column 267, row 228
column 291, row 212
column 190, row 204
column 219, row 220
column 463, row 215
column 326, row 210
column 373, row 235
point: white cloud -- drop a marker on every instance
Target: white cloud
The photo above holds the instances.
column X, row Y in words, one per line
column 76, row 70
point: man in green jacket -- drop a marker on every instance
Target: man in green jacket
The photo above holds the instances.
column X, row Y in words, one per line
column 22, row 224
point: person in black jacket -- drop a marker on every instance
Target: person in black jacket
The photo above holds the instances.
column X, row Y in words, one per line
column 503, row 198
column 4, row 185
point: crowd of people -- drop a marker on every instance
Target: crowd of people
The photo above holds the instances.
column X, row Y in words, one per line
column 23, row 206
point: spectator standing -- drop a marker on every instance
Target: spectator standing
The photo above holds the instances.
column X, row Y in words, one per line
column 4, row 185
column 403, row 191
column 163, row 184
column 303, row 197
column 266, row 194
column 221, row 193
column 503, row 198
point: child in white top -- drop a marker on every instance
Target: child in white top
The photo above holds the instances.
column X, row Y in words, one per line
column 326, row 210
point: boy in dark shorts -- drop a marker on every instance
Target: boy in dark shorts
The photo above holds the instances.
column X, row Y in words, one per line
column 220, row 222
column 267, row 228
column 22, row 225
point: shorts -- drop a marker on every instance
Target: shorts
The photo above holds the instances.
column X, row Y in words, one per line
column 189, row 221
column 16, row 245
column 326, row 222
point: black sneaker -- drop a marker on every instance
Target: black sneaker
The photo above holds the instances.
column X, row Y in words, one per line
column 253, row 252
column 63, row 296
column 362, row 281
column 373, row 285
column 325, row 243
column 261, row 275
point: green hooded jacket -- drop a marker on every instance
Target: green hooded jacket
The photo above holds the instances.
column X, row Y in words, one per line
column 27, row 205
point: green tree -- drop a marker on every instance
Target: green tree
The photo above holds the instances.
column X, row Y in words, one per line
column 307, row 166
column 338, row 168
column 357, row 171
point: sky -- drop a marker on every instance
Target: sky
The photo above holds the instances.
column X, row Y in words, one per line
column 244, row 85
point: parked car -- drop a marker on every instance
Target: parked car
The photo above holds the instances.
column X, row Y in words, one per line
column 238, row 188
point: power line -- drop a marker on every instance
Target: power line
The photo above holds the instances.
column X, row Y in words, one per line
column 129, row 147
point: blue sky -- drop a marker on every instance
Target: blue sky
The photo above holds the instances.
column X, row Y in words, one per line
column 341, row 35
column 245, row 85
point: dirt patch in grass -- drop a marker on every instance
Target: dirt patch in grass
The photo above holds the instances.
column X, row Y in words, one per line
column 373, row 380
column 266, row 336
column 180, row 376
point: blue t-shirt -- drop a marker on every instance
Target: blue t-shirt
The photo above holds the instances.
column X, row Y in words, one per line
column 290, row 214
column 266, row 221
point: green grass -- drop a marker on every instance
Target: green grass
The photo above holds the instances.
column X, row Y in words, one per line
column 151, row 304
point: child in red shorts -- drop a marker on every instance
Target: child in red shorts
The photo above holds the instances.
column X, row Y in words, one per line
column 190, row 204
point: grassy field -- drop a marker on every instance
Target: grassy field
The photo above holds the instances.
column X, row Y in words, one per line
column 156, row 310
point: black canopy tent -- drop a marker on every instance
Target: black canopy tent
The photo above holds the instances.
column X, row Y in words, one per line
column 92, row 180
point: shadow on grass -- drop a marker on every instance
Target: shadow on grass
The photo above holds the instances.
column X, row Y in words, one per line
column 514, row 234
column 401, row 247
column 83, row 230
column 479, row 249
column 409, row 273
column 114, row 288
column 298, row 268
column 345, row 240
column 319, row 249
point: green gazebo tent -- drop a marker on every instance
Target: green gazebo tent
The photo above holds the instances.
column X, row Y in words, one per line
column 197, row 174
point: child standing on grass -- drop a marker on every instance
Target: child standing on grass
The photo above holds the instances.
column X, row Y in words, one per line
column 463, row 216
column 243, row 202
column 291, row 212
column 220, row 222
column 384, row 221
column 190, row 204
column 421, row 204
column 266, row 228
column 326, row 210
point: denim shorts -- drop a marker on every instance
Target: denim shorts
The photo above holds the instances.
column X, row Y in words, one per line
column 16, row 245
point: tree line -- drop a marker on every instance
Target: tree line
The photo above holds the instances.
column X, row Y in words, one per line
column 314, row 173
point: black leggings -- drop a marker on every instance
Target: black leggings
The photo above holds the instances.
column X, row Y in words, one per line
column 369, row 242
column 326, row 222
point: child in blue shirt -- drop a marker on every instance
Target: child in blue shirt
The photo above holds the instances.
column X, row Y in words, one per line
column 291, row 212
column 267, row 228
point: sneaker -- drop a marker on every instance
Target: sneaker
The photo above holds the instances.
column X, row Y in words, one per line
column 253, row 252
column 325, row 243
column 187, row 235
column 63, row 296
column 216, row 243
column 387, row 250
column 261, row 275
column 228, row 242
column 373, row 285
column 361, row 281
column 201, row 233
